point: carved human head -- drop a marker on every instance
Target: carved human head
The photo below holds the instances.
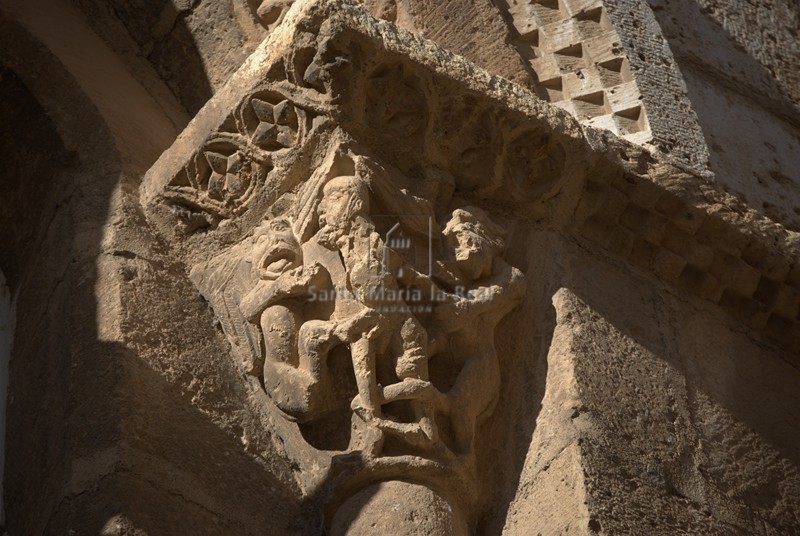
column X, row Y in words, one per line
column 276, row 249
column 474, row 241
column 343, row 200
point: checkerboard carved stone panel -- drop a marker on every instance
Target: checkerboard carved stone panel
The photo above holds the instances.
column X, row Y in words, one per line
column 580, row 63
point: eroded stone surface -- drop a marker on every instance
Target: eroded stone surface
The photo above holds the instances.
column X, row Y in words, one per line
column 397, row 508
column 374, row 285
column 744, row 94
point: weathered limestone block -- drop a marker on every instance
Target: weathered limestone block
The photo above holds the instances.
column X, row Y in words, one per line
column 474, row 29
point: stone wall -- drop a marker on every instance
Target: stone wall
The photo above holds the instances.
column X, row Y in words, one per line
column 6, row 341
column 610, row 340
column 735, row 58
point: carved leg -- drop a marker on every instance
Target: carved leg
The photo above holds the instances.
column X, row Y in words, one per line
column 367, row 403
column 315, row 340
column 299, row 391
column 295, row 392
column 475, row 393
column 410, row 389
column 363, row 355
column 279, row 323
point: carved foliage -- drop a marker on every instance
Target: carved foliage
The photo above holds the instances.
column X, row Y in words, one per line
column 420, row 116
column 396, row 102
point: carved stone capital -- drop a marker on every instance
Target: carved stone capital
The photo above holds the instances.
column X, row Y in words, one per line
column 341, row 206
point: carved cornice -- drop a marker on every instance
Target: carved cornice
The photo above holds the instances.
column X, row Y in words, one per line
column 502, row 145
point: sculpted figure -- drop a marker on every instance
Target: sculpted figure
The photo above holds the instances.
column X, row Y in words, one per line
column 345, row 226
column 296, row 347
column 268, row 294
column 483, row 288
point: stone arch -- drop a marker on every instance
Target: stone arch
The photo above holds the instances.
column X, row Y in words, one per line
column 59, row 172
column 84, row 126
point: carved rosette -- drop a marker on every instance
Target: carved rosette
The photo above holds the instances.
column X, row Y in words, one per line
column 219, row 180
column 351, row 193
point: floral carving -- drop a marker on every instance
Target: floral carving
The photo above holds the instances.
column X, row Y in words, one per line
column 277, row 125
column 217, row 183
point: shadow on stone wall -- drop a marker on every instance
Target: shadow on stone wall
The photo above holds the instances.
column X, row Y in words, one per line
column 676, row 384
column 97, row 442
column 750, row 123
column 55, row 197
